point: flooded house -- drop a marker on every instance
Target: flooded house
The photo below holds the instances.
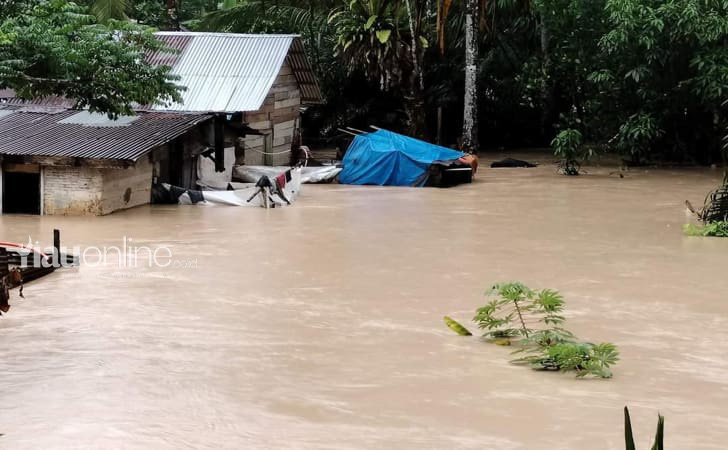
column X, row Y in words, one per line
column 243, row 97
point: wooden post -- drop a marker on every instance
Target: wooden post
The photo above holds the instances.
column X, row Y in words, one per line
column 56, row 247
column 219, row 143
column 4, row 296
column 4, row 262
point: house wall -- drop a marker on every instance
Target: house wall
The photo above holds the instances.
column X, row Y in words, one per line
column 278, row 118
column 69, row 190
column 82, row 190
column 127, row 188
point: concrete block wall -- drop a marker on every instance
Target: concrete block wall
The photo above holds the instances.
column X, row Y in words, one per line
column 83, row 190
column 71, row 190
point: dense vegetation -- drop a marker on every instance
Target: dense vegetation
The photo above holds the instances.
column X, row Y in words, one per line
column 532, row 321
column 57, row 48
column 646, row 78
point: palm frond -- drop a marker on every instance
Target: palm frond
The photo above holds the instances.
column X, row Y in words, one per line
column 110, row 9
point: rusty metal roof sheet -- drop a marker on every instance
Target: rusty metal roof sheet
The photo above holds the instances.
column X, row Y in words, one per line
column 7, row 97
column 307, row 82
column 43, row 134
column 226, row 72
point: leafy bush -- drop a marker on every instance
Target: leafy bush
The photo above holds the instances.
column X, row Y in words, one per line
column 716, row 229
column 568, row 146
column 532, row 320
column 518, row 305
column 636, row 135
column 581, row 357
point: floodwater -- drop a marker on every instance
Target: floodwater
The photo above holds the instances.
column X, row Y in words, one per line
column 320, row 325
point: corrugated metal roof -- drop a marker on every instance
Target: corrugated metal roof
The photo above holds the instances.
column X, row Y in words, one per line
column 42, row 134
column 7, row 97
column 223, row 72
column 226, row 72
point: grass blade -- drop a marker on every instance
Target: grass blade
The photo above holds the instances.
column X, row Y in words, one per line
column 628, row 438
column 660, row 434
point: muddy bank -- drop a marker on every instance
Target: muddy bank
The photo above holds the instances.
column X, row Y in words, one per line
column 320, row 325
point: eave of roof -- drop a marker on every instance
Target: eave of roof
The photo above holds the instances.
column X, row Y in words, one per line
column 27, row 132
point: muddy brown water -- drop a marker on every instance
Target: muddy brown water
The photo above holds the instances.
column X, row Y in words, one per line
column 320, row 325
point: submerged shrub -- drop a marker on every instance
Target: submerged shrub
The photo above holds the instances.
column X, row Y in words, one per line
column 532, row 321
column 715, row 229
column 567, row 145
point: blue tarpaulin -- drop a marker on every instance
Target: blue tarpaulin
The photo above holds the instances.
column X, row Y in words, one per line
column 389, row 159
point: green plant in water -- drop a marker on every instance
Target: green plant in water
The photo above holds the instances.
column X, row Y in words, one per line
column 635, row 136
column 584, row 358
column 716, row 229
column 456, row 327
column 567, row 145
column 629, row 437
column 516, row 310
column 532, row 320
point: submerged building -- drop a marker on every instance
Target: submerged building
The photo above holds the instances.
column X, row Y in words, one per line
column 243, row 92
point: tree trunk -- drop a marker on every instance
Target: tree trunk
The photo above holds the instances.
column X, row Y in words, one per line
column 550, row 89
column 172, row 15
column 547, row 87
column 416, row 100
column 470, row 113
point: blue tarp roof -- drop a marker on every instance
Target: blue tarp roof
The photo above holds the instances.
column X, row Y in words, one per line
column 389, row 159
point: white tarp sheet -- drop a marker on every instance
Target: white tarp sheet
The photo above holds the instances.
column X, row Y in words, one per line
column 279, row 194
column 206, row 174
column 313, row 174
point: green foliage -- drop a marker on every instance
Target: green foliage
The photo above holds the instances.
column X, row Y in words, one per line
column 629, row 437
column 643, row 77
column 110, row 9
column 532, row 320
column 646, row 77
column 372, row 35
column 581, row 357
column 636, row 134
column 716, row 229
column 516, row 309
column 668, row 73
column 55, row 48
column 568, row 146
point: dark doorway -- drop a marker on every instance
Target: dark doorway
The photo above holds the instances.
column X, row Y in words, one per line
column 21, row 193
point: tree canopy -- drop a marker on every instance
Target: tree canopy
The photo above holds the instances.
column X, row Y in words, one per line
column 645, row 78
column 55, row 48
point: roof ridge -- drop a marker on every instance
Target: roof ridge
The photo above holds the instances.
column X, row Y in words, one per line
column 230, row 35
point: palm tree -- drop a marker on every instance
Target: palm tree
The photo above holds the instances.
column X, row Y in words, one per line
column 110, row 9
